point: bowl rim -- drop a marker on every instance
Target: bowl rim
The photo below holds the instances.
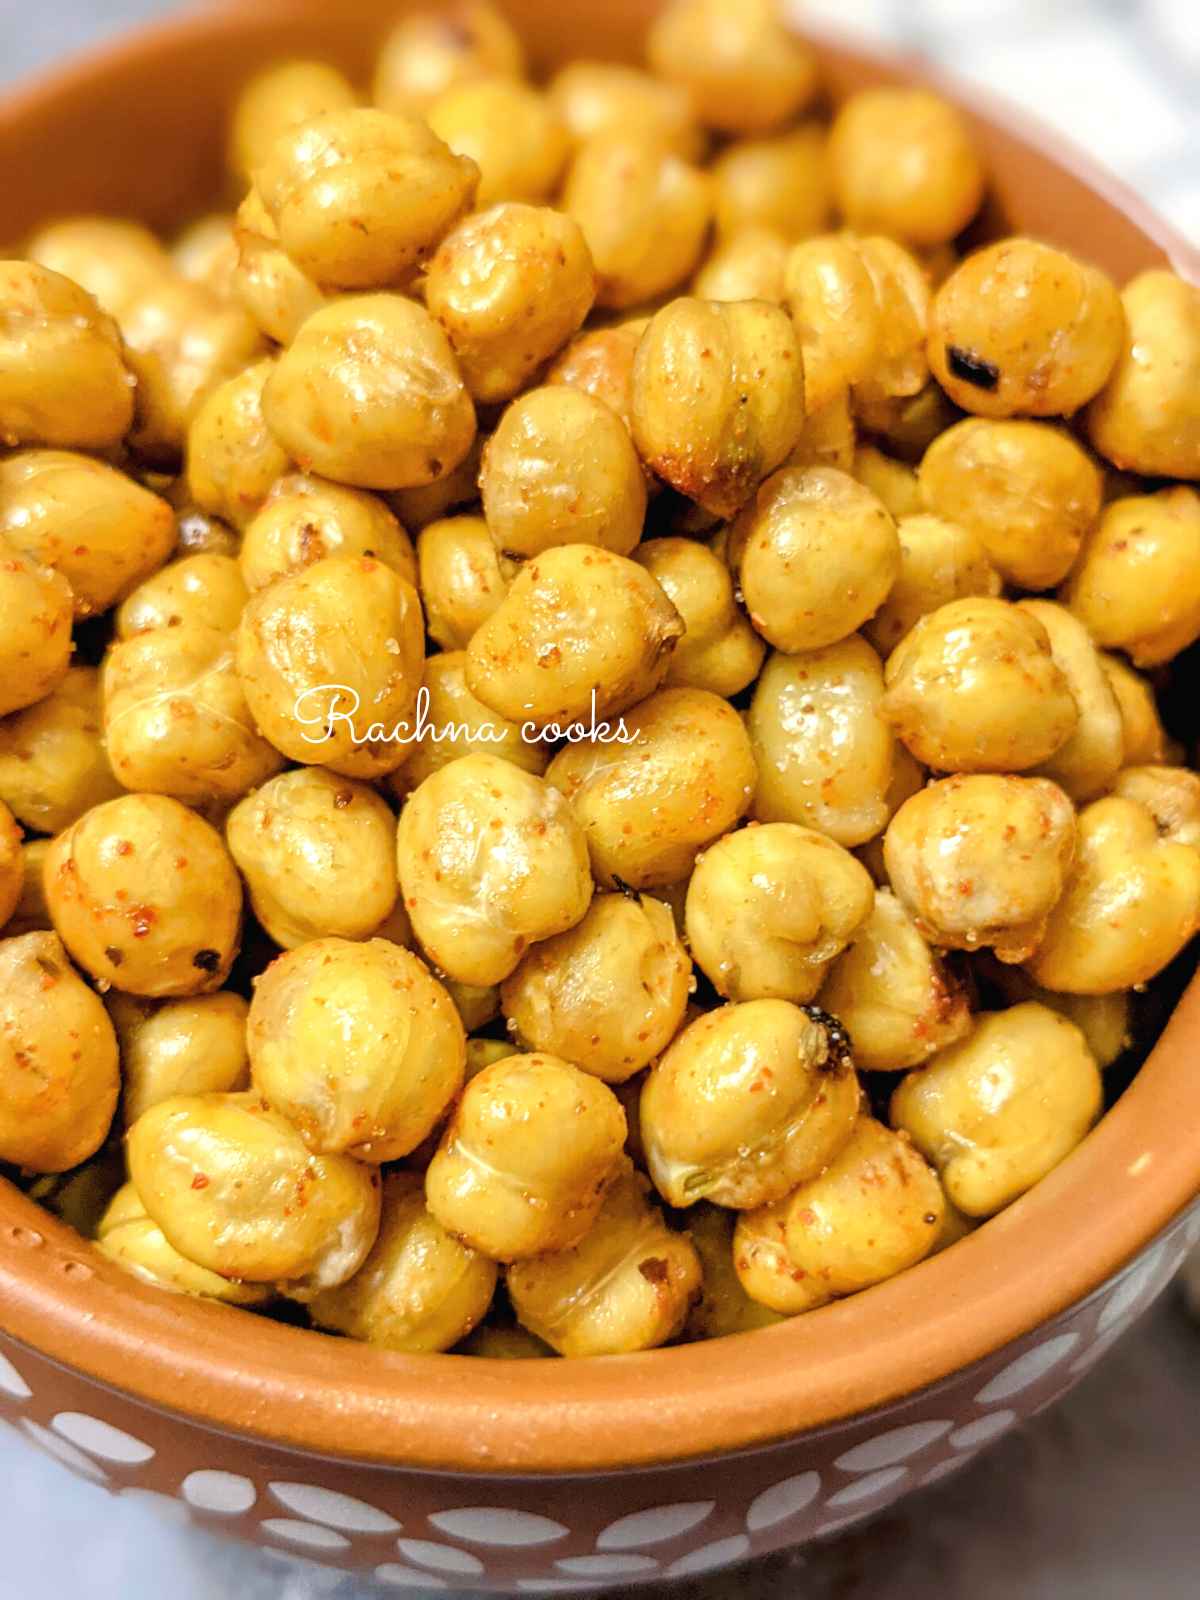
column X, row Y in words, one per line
column 290, row 1387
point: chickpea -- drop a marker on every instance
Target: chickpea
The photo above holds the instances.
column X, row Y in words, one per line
column 875, row 1211
column 901, row 295
column 179, row 1047
column 626, row 1286
column 63, row 378
column 510, row 131
column 649, row 807
column 463, row 578
column 780, row 183
column 600, row 362
column 907, row 425
column 719, row 650
column 431, row 51
column 893, row 482
column 499, row 1343
column 982, row 860
column 561, row 470
column 1000, row 1109
column 100, row 530
column 607, row 995
column 431, row 502
column 265, row 281
column 833, row 301
column 644, row 212
column 1021, row 329
column 724, row 1307
column 1087, row 763
column 113, row 260
column 748, row 265
column 940, row 561
column 1136, row 586
column 718, row 398
column 232, row 458
column 1103, row 1019
column 823, row 749
column 267, row 1210
column 1130, row 906
column 128, row 1236
column 459, row 725
column 974, row 687
column 897, row 1000
column 200, row 534
column 477, row 1005
column 532, row 1149
column 145, row 897
column 32, row 914
column 53, row 765
column 510, row 286
column 276, row 102
column 816, row 555
column 1144, row 739
column 598, row 97
column 828, row 437
column 615, row 651
column 12, row 864
column 204, row 590
column 903, row 163
column 908, row 778
column 37, row 606
column 1170, row 794
column 307, row 519
column 318, row 854
column 335, row 642
column 1146, row 418
column 369, row 394
column 58, row 1058
column 205, row 252
column 1025, row 489
column 745, row 72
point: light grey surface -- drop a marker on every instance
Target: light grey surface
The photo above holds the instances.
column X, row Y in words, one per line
column 1095, row 1500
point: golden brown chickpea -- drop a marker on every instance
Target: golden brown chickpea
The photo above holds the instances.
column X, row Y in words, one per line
column 82, row 1197
column 644, row 213
column 37, row 606
column 203, row 590
column 265, row 280
column 745, row 72
column 609, row 994
column 369, row 394
column 815, row 554
column 828, row 438
column 318, row 854
column 893, row 482
column 483, row 1053
column 1136, row 586
column 749, row 1101
column 128, row 1236
column 232, row 458
column 307, row 519
column 463, row 578
column 823, row 749
column 833, row 301
column 431, row 51
column 561, row 469
column 1025, row 489
column 532, row 1148
column 648, row 807
column 265, row 1208
column 145, row 897
column 1170, row 794
column 455, row 491
column 1087, row 763
column 510, row 131
column 1021, row 329
column 724, row 1307
column 1103, row 1019
column 32, row 914
column 499, row 1343
column 901, row 295
column 58, row 1059
column 206, row 252
column 179, row 1047
column 100, row 530
column 1144, row 739
column 510, row 286
column 908, row 424
column 999, row 1110
column 277, row 101
column 748, row 265
column 63, row 377
column 615, row 652
column 476, row 1005
column 940, row 561
column 330, row 660
column 903, row 163
column 781, row 184
column 114, row 260
column 719, row 650
column 626, row 1286
column 982, row 860
column 53, row 765
column 718, row 398
column 457, row 724
column 974, row 687
column 12, row 864
column 1147, row 417
column 600, row 362
column 595, row 97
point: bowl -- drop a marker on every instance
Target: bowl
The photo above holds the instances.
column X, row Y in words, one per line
column 534, row 1475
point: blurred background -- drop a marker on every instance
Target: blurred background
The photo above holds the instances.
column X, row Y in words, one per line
column 1096, row 1499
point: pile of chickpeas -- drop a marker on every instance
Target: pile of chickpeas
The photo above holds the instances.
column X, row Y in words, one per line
column 794, row 816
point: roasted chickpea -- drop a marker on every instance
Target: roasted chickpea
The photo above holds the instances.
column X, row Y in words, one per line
column 644, row 213
column 204, row 590
column 816, row 554
column 718, row 398
column 32, row 914
column 626, row 1286
column 828, row 438
column 476, row 1004
column 431, row 51
column 893, row 482
column 232, row 458
column 127, row 1235
column 1021, row 329
column 600, row 362
column 179, row 1047
column 1144, row 739
column 748, row 265
column 1025, row 489
column 982, row 860
column 903, row 163
column 532, row 1149
column 266, row 1209
column 1170, row 794
column 265, row 280
column 974, row 687
column 145, row 897
column 483, row 1053
column 430, row 502
column 63, row 377
column 1103, row 1019
column 1147, row 418
column 58, row 1058
column 113, row 260
column 12, row 864
column 457, row 724
column 307, row 519
column 335, row 642
column 276, row 102
column 615, row 651
column 1000, row 1109
column 510, row 131
column 100, row 530
column 1130, row 906
column 491, row 860
column 781, row 184
column 749, row 1101
column 37, row 607
column 201, row 534
column 832, row 298
column 719, row 650
column 724, row 1307
column 463, row 578
column 745, row 72
column 1136, row 586
column 908, row 778
column 1087, row 763
column 53, row 765
column 369, row 394
column 906, row 425
column 594, row 97
column 318, row 854
column 206, row 252
column 940, row 561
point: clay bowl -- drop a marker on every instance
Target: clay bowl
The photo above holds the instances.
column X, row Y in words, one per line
column 475, row 1474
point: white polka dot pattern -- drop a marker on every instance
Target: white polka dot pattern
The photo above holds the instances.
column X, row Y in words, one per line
column 405, row 1578
column 655, row 1526
column 888, row 1448
column 783, row 1500
column 607, row 1566
column 1026, row 1370
column 226, row 1494
column 101, row 1439
column 305, row 1534
column 489, row 1525
column 441, row 1557
column 710, row 1556
column 339, row 1511
column 974, row 1435
column 868, row 1488
column 11, row 1381
column 1128, row 1296
column 63, row 1451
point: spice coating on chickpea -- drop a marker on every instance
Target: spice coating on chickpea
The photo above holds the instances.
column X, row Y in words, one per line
column 459, row 724
column 745, row 72
column 723, row 1307
column 204, row 590
column 277, row 101
column 600, row 362
column 127, row 1235
column 232, row 458
column 939, row 562
column 265, row 281
column 37, row 606
column 306, row 519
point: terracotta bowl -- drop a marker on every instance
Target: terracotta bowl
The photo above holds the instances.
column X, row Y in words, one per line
column 439, row 1471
